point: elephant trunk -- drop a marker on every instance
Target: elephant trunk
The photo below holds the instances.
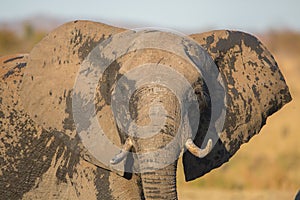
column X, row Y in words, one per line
column 161, row 183
column 157, row 110
column 156, row 139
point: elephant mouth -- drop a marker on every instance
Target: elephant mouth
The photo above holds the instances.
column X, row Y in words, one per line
column 159, row 123
column 189, row 145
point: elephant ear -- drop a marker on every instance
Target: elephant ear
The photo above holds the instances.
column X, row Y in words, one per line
column 255, row 90
column 35, row 162
column 51, row 72
column 11, row 65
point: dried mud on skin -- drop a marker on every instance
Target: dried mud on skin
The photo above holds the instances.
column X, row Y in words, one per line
column 39, row 151
column 36, row 163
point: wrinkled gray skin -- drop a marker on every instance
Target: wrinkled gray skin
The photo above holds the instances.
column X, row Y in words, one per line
column 45, row 160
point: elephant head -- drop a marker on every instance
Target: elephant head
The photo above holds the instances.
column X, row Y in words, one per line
column 154, row 94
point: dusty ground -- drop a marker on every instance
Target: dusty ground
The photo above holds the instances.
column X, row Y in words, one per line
column 217, row 194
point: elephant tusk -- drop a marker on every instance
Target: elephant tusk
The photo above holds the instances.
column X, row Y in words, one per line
column 196, row 151
column 123, row 153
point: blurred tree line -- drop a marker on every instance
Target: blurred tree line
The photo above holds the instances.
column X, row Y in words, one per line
column 12, row 42
column 283, row 41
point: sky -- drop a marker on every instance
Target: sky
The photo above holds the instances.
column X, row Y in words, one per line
column 183, row 16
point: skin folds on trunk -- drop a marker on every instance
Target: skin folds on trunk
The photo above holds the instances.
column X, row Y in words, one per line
column 157, row 183
column 160, row 184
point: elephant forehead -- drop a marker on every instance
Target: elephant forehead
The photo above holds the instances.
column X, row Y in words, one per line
column 52, row 69
column 141, row 57
column 148, row 102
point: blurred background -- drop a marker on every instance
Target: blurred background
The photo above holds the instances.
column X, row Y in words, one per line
column 265, row 168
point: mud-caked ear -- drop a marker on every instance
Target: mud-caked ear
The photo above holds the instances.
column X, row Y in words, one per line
column 52, row 69
column 51, row 72
column 255, row 89
column 37, row 159
column 12, row 65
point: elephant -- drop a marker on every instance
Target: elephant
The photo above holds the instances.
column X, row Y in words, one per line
column 43, row 146
column 297, row 195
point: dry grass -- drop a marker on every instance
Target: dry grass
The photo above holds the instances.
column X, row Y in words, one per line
column 217, row 194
